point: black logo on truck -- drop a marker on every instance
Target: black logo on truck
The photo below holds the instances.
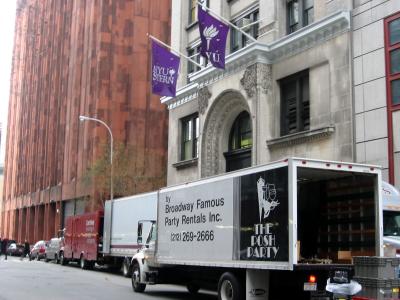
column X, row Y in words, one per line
column 264, row 234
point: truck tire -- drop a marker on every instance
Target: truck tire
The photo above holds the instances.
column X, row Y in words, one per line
column 63, row 261
column 229, row 287
column 83, row 263
column 137, row 286
column 56, row 258
column 126, row 267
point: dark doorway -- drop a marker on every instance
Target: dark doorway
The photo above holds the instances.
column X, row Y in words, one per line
column 238, row 155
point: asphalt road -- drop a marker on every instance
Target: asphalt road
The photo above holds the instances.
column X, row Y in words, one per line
column 47, row 281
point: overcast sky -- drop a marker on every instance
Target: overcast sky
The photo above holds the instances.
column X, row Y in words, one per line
column 7, row 18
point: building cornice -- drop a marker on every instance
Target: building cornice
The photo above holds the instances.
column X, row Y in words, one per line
column 301, row 137
column 257, row 52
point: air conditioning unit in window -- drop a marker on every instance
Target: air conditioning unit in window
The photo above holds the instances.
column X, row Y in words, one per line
column 244, row 24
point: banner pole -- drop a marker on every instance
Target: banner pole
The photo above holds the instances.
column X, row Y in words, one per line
column 177, row 52
column 228, row 22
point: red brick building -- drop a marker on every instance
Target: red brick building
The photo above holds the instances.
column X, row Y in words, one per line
column 76, row 58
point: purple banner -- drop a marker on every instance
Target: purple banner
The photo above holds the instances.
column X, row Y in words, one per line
column 164, row 70
column 213, row 34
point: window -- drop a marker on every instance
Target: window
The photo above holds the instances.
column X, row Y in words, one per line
column 300, row 13
column 194, row 53
column 190, row 135
column 392, row 63
column 238, row 155
column 393, row 59
column 193, row 9
column 240, row 135
column 238, row 39
column 295, row 103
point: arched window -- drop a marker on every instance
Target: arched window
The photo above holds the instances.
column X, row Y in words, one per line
column 238, row 155
column 240, row 135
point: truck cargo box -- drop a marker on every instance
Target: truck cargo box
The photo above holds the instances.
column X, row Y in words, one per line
column 276, row 216
column 82, row 236
column 121, row 219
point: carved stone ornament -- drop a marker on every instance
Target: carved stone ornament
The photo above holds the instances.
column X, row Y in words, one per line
column 264, row 74
column 202, row 97
column 249, row 80
column 257, row 76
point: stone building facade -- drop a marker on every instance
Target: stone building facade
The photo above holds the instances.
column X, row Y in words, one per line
column 287, row 94
column 75, row 58
column 376, row 58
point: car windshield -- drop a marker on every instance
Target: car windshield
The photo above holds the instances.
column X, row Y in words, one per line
column 391, row 223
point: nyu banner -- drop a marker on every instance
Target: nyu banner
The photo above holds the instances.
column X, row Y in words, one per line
column 213, row 35
column 164, row 69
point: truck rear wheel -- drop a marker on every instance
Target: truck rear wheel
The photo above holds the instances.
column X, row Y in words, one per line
column 137, row 286
column 63, row 261
column 229, row 287
column 83, row 263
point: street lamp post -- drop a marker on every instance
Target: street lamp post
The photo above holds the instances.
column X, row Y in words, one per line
column 84, row 118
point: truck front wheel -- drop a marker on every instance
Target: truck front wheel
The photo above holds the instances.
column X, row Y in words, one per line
column 229, row 287
column 137, row 286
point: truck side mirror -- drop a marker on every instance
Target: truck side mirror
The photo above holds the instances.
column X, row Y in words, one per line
column 139, row 233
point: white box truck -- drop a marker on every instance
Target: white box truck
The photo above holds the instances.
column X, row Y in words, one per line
column 275, row 231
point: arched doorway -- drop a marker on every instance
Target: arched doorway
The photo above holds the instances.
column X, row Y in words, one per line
column 215, row 135
column 238, row 155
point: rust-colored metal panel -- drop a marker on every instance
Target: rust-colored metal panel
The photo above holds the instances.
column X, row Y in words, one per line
column 76, row 58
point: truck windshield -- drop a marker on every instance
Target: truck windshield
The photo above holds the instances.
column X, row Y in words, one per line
column 391, row 223
column 153, row 234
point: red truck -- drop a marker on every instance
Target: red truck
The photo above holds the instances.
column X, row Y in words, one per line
column 107, row 237
column 82, row 239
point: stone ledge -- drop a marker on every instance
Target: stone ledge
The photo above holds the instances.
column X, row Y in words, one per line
column 301, row 137
column 186, row 163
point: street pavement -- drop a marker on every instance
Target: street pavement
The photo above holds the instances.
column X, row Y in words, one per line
column 39, row 280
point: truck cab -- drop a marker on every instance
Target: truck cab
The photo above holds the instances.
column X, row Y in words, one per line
column 147, row 236
column 144, row 260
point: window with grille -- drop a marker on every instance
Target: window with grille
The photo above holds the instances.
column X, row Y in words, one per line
column 300, row 13
column 238, row 39
column 194, row 54
column 295, row 103
column 189, row 136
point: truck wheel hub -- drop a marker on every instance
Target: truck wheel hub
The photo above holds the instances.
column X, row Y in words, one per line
column 136, row 276
column 226, row 290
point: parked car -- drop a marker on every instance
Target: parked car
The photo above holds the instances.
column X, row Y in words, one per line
column 38, row 251
column 15, row 249
column 53, row 249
